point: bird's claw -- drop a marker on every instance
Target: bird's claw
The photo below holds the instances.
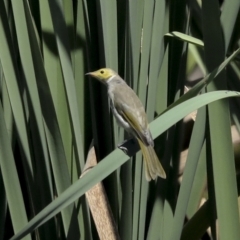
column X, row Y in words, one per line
column 124, row 149
column 129, row 146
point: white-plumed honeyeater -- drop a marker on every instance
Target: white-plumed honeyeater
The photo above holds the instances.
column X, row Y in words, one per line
column 130, row 114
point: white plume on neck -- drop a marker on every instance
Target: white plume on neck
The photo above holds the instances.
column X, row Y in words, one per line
column 111, row 78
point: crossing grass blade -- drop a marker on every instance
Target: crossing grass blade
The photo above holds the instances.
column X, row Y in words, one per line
column 117, row 158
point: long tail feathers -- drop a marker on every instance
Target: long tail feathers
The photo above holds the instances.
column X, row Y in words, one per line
column 153, row 167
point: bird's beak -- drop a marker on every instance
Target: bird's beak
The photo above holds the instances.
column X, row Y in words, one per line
column 92, row 74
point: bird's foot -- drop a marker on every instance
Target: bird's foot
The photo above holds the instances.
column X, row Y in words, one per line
column 129, row 146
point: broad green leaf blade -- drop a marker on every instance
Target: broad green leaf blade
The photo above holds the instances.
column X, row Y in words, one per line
column 36, row 124
column 154, row 65
column 156, row 57
column 155, row 230
column 168, row 217
column 68, row 9
column 143, row 85
column 159, row 204
column 10, row 71
column 137, row 193
column 229, row 15
column 194, row 52
column 11, row 180
column 125, row 222
column 8, row 62
column 140, row 85
column 186, row 38
column 67, row 70
column 205, row 81
column 145, row 50
column 195, row 146
column 169, row 118
column 198, row 224
column 224, row 174
column 79, row 71
column 199, row 184
column 3, row 208
column 133, row 40
column 107, row 12
column 117, row 158
column 98, row 173
column 53, row 136
column 179, row 21
column 82, row 88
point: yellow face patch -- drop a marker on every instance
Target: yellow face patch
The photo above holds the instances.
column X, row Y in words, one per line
column 103, row 74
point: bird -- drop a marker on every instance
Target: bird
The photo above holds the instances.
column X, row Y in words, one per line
column 130, row 114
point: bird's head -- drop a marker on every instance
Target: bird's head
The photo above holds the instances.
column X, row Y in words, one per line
column 103, row 74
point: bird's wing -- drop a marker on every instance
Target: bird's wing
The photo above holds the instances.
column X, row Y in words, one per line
column 141, row 132
column 134, row 114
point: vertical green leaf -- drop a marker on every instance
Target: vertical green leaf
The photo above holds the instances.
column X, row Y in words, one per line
column 11, row 180
column 224, row 174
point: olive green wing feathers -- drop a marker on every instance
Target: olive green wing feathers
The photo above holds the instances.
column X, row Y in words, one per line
column 132, row 111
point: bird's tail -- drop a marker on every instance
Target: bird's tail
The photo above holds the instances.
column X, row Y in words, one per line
column 153, row 167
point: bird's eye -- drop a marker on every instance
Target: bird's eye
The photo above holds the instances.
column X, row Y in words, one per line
column 102, row 72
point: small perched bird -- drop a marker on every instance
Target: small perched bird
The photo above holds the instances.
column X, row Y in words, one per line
column 130, row 114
